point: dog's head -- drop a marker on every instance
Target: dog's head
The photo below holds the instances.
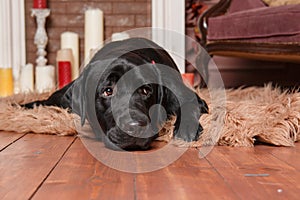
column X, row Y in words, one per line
column 130, row 100
column 123, row 110
column 126, row 101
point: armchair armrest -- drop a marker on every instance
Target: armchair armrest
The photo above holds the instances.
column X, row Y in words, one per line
column 218, row 9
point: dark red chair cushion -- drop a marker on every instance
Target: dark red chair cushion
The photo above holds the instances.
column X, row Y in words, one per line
column 260, row 23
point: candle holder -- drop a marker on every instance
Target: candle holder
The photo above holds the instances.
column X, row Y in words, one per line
column 41, row 38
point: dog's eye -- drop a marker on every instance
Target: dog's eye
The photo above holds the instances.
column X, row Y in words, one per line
column 108, row 91
column 145, row 90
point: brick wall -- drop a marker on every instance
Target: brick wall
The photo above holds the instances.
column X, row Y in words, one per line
column 68, row 15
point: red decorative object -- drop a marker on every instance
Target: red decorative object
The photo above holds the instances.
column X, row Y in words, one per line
column 39, row 4
column 188, row 78
column 64, row 73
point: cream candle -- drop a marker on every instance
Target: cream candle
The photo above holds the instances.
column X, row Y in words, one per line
column 119, row 36
column 71, row 40
column 93, row 30
column 64, row 55
column 44, row 78
column 92, row 53
column 26, row 78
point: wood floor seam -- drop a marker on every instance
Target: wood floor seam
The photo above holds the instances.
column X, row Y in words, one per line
column 52, row 169
column 14, row 141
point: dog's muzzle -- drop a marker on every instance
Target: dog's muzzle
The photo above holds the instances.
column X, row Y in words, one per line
column 131, row 133
column 117, row 139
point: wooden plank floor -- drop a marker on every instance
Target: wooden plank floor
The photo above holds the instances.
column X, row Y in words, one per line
column 51, row 167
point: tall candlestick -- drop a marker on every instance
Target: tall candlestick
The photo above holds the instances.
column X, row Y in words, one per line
column 26, row 78
column 70, row 40
column 6, row 82
column 41, row 38
column 93, row 30
column 44, row 78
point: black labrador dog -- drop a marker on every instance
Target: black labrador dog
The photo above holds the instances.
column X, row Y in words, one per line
column 127, row 91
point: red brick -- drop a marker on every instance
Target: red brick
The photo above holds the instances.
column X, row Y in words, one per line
column 81, row 7
column 29, row 20
column 55, row 32
column 30, row 32
column 51, row 58
column 30, row 57
column 30, row 47
column 119, row 20
column 142, row 21
column 108, row 32
column 121, row 29
column 28, row 4
column 67, row 20
column 130, row 8
column 57, row 8
column 78, row 30
column 53, row 45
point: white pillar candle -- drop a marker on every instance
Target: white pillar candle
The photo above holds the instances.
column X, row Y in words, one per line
column 26, row 78
column 70, row 40
column 119, row 36
column 44, row 78
column 93, row 30
column 92, row 53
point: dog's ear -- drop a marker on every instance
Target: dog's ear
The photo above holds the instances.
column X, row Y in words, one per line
column 85, row 87
column 78, row 97
column 202, row 104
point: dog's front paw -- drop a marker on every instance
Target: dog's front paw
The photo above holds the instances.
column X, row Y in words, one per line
column 188, row 131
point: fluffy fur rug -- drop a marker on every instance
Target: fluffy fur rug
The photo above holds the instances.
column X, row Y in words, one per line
column 254, row 114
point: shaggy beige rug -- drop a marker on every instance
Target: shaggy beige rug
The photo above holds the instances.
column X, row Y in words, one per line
column 254, row 114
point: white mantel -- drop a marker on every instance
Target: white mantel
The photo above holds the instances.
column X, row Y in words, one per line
column 12, row 41
column 170, row 15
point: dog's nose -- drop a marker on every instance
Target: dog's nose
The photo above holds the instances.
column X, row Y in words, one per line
column 137, row 123
column 135, row 128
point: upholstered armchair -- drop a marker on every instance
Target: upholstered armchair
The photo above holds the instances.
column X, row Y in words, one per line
column 253, row 29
